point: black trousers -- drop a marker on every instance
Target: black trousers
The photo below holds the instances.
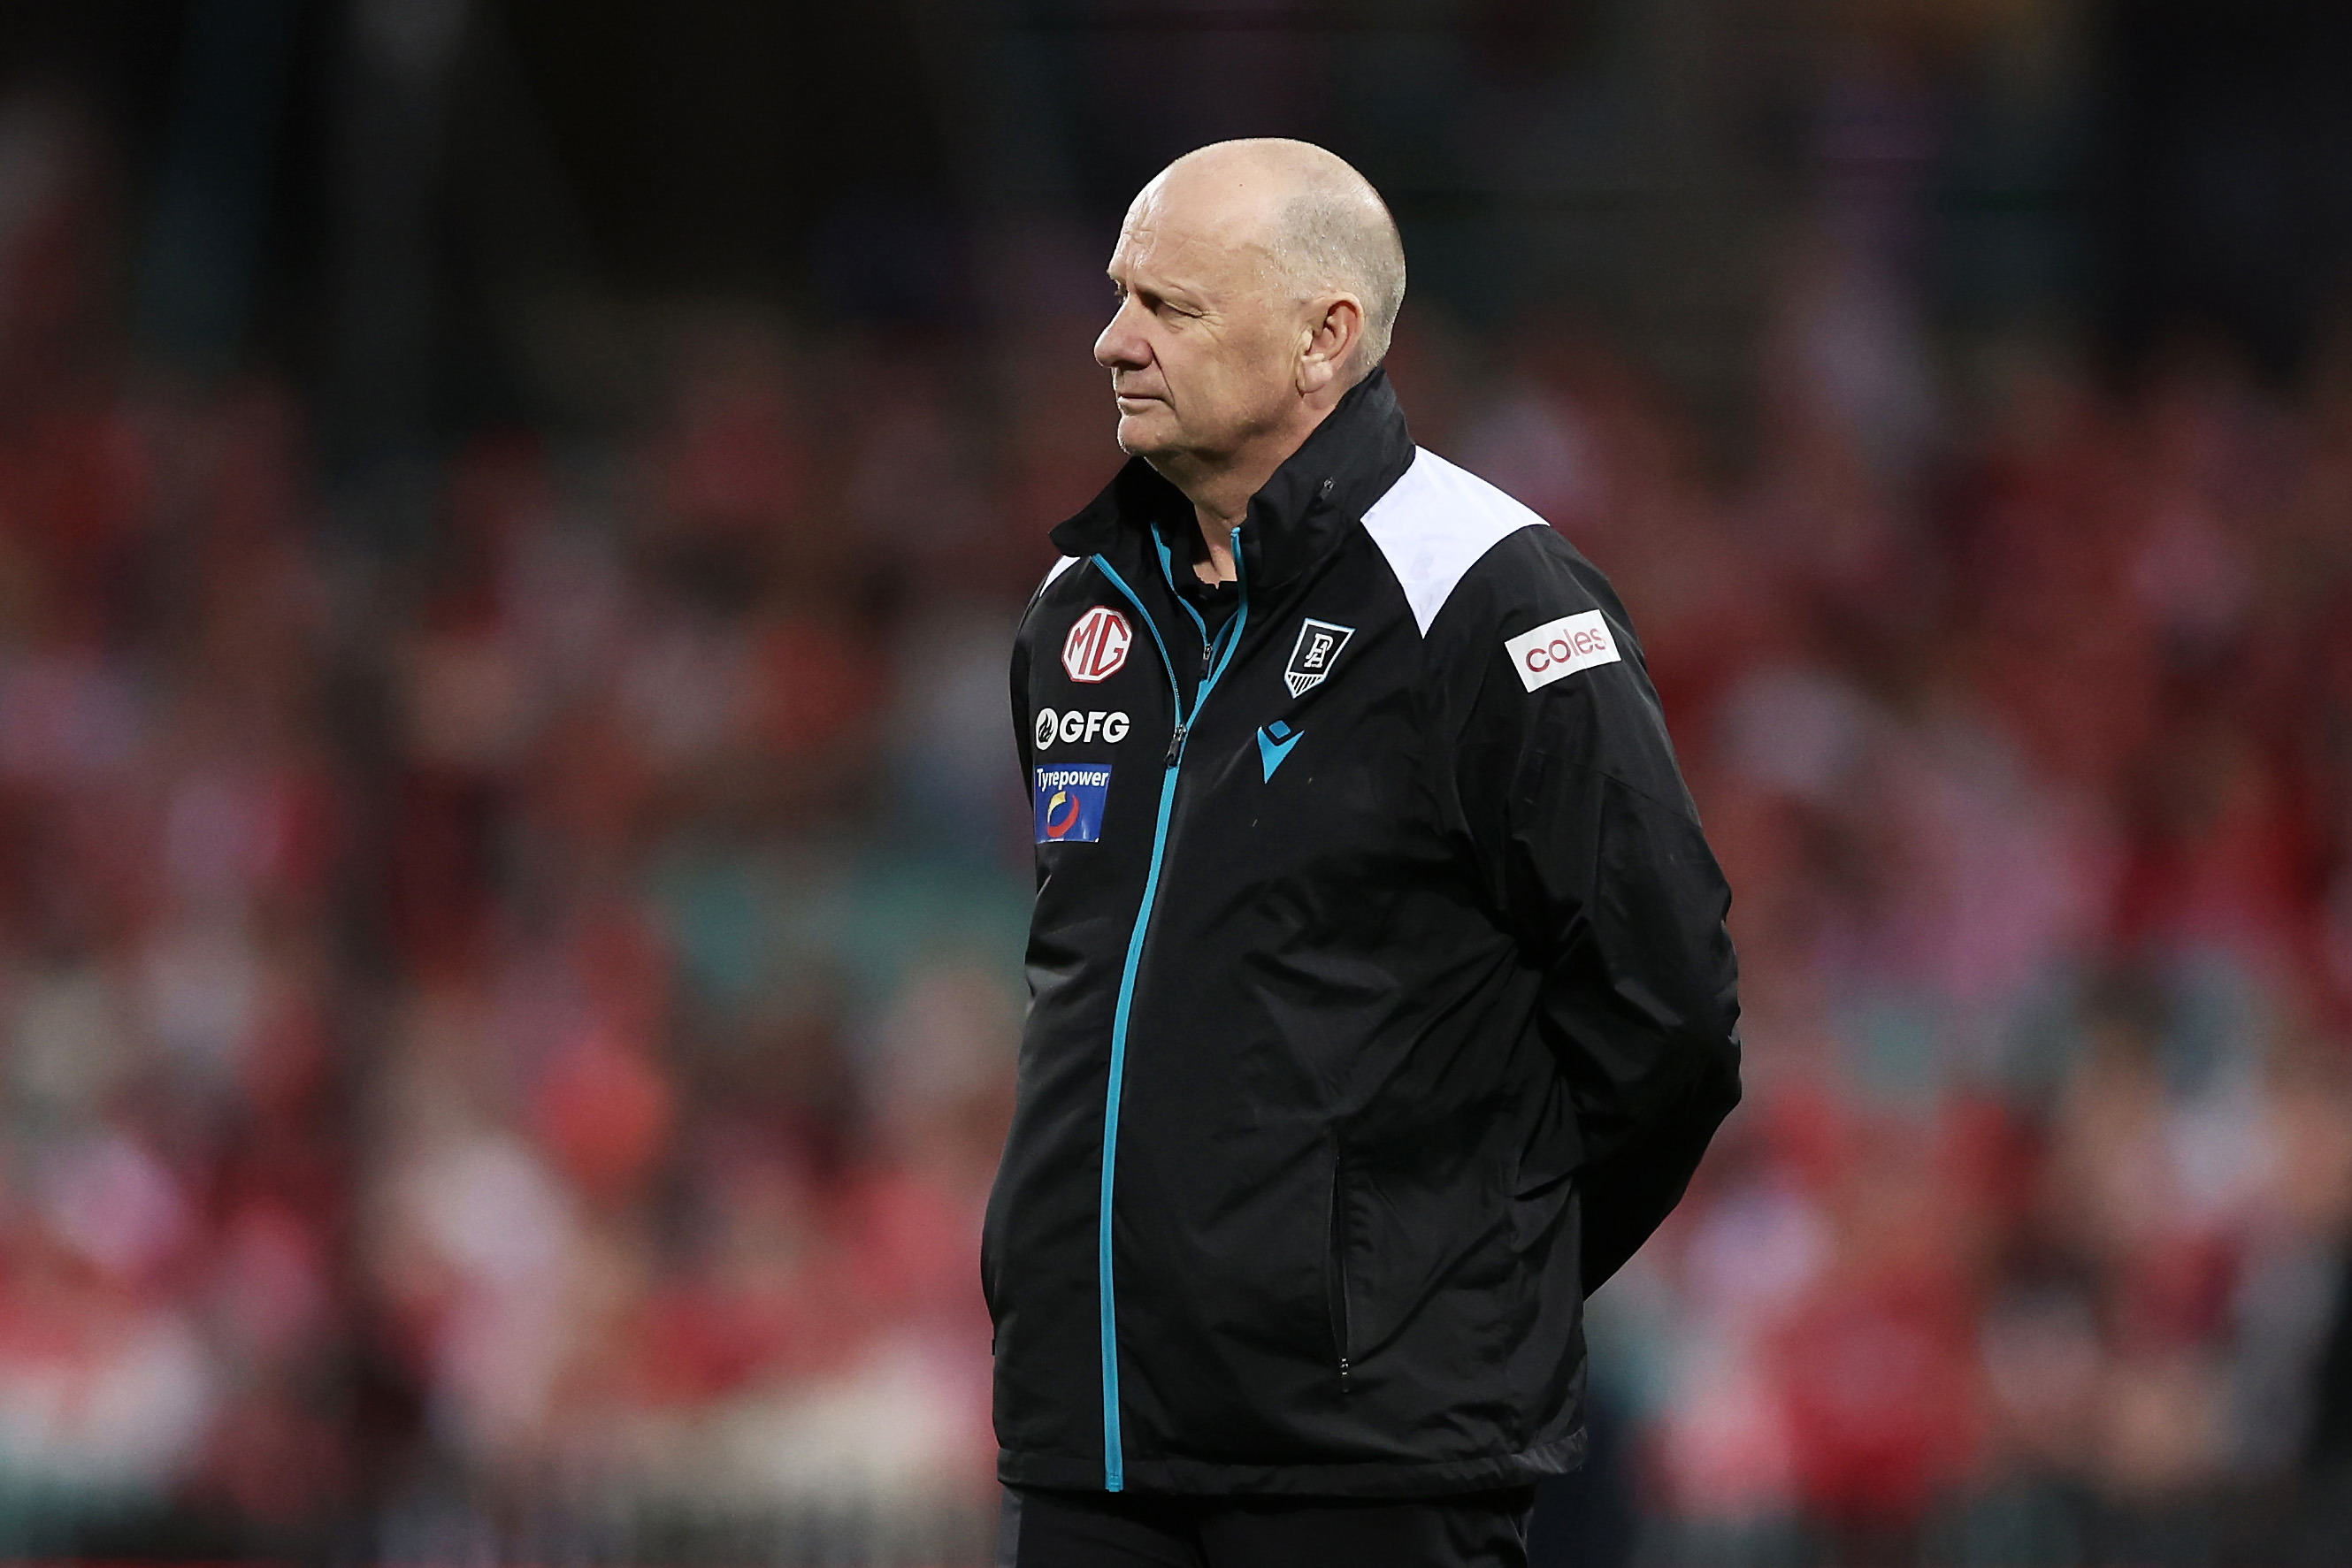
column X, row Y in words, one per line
column 1128, row 1530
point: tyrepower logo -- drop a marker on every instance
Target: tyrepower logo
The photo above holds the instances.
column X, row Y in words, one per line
column 1561, row 647
column 1074, row 727
column 1097, row 645
column 1070, row 804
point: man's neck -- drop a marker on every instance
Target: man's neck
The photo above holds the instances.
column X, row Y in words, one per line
column 1217, row 533
column 1220, row 495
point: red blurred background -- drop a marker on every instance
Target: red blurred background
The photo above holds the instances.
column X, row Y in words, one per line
column 511, row 872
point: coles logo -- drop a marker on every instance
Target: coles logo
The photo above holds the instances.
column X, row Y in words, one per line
column 1074, row 727
column 1561, row 647
column 1097, row 645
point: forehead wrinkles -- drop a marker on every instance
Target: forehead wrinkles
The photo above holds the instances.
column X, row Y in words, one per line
column 1219, row 254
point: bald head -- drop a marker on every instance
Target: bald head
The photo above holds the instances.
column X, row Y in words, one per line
column 1257, row 281
column 1319, row 223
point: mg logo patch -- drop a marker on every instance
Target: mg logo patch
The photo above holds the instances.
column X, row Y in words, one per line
column 1097, row 645
column 1070, row 804
column 1312, row 656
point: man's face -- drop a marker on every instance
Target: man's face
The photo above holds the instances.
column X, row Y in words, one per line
column 1203, row 348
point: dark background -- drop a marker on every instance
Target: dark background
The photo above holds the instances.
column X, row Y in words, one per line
column 2140, row 173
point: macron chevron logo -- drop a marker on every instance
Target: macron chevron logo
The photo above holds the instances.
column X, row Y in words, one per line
column 1274, row 743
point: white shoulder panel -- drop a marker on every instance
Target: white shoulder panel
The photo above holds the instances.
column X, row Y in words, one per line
column 1434, row 524
column 1060, row 567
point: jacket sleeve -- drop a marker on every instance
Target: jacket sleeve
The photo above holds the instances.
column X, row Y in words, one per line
column 1590, row 847
column 1022, row 654
column 1021, row 716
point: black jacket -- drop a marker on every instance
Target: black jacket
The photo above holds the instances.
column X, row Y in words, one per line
column 1381, row 998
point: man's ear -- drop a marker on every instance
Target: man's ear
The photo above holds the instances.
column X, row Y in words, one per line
column 1331, row 344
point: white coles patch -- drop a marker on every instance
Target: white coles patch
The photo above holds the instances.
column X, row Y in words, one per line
column 1561, row 647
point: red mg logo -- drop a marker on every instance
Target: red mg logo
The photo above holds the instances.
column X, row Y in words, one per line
column 1097, row 645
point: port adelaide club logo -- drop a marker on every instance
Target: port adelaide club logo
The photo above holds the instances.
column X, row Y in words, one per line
column 1097, row 645
column 1312, row 656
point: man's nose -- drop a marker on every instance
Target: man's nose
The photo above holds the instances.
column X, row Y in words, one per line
column 1121, row 347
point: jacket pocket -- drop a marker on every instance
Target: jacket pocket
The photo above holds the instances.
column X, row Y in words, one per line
column 1336, row 1270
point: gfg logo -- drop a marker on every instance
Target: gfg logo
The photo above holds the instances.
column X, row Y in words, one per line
column 1074, row 727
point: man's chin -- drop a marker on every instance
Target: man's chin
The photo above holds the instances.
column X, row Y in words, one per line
column 1147, row 431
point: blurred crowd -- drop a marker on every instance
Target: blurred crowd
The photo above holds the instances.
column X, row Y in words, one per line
column 2018, row 715
column 528, row 1008
column 531, row 1012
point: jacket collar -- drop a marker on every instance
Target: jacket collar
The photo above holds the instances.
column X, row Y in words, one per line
column 1346, row 464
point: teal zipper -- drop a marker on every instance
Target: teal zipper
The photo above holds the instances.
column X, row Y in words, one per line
column 1218, row 655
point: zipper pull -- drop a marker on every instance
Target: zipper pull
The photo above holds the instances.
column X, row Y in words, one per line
column 1204, row 661
column 1175, row 746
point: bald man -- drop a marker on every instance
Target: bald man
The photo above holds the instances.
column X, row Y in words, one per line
column 1381, row 998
